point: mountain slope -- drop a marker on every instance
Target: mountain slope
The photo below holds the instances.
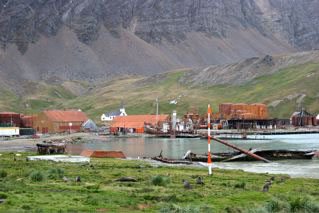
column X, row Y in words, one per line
column 92, row 40
column 285, row 83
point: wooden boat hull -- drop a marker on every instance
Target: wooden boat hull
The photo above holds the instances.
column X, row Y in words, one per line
column 272, row 155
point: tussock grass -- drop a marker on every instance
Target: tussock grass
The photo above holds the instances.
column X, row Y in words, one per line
column 98, row 189
column 160, row 180
column 36, row 176
column 3, row 174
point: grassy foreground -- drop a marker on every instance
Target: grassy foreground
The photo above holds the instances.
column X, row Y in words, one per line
column 39, row 187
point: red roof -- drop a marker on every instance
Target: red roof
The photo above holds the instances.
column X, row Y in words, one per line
column 103, row 154
column 9, row 113
column 136, row 121
column 66, row 116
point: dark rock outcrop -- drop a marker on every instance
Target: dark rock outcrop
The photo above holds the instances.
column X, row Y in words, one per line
column 92, row 39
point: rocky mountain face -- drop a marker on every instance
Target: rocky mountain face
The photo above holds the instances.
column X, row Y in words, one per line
column 92, row 39
column 246, row 70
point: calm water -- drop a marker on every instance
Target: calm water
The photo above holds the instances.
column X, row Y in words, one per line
column 176, row 148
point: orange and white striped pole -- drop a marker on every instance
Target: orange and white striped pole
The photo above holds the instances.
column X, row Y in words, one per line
column 209, row 161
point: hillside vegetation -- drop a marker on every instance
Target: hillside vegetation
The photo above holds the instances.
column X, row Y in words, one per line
column 284, row 91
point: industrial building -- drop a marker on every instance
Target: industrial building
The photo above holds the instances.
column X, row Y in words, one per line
column 229, row 111
column 135, row 123
column 243, row 116
column 26, row 121
column 11, row 119
column 303, row 118
column 57, row 121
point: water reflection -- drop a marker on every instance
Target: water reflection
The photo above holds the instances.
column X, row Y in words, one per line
column 176, row 148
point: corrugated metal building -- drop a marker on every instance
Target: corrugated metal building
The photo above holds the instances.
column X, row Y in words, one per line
column 229, row 111
column 135, row 123
column 57, row 121
column 303, row 118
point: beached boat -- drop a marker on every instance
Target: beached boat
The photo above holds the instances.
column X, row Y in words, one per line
column 171, row 161
column 272, row 155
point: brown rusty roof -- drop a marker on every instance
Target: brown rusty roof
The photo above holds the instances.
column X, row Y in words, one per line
column 66, row 116
column 103, row 154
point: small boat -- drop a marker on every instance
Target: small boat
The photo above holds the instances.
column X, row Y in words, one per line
column 272, row 155
column 178, row 134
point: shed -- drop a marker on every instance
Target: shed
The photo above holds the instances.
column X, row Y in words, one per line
column 57, row 121
column 302, row 118
column 89, row 125
column 135, row 123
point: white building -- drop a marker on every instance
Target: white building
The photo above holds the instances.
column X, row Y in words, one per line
column 9, row 131
column 111, row 115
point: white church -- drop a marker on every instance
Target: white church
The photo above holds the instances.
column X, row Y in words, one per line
column 111, row 115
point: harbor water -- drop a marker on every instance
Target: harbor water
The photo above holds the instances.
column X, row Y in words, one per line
column 176, row 148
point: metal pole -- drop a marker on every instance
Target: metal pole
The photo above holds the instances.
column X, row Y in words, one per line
column 209, row 161
column 156, row 110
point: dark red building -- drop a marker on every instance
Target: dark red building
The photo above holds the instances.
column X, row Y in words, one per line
column 27, row 121
column 303, row 118
column 10, row 119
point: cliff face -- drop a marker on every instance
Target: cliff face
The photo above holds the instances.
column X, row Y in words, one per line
column 92, row 39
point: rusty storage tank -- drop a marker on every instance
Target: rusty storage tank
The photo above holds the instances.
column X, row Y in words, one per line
column 261, row 111
column 225, row 108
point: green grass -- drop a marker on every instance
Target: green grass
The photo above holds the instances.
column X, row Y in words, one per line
column 38, row 186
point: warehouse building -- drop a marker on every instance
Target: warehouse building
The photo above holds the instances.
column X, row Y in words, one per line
column 10, row 119
column 58, row 121
column 244, row 116
column 135, row 123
